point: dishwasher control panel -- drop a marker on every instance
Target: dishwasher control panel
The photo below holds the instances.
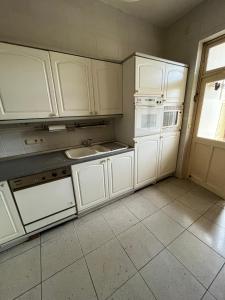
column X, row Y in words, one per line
column 43, row 177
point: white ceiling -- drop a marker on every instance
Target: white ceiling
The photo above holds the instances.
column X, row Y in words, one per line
column 159, row 12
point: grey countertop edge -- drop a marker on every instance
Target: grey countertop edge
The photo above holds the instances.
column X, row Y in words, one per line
column 15, row 168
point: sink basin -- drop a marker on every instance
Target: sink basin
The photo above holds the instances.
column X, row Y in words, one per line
column 79, row 153
column 100, row 148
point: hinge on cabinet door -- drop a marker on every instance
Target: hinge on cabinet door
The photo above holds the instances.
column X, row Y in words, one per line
column 196, row 97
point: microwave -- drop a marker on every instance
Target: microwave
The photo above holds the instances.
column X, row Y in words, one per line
column 172, row 117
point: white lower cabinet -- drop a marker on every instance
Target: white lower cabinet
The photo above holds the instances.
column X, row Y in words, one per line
column 10, row 224
column 168, row 153
column 146, row 159
column 155, row 157
column 100, row 180
column 121, row 177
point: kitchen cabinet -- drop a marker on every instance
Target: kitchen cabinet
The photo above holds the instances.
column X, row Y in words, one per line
column 90, row 183
column 121, row 173
column 26, row 83
column 97, row 181
column 10, row 224
column 175, row 83
column 107, row 80
column 169, row 143
column 73, row 84
column 146, row 159
column 149, row 77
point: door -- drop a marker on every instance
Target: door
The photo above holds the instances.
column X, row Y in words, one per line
column 10, row 224
column 26, row 85
column 43, row 200
column 73, row 84
column 121, row 177
column 107, row 79
column 175, row 83
column 168, row 153
column 146, row 160
column 149, row 78
column 90, row 183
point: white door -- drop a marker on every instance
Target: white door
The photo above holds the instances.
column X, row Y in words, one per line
column 175, row 83
column 121, row 177
column 168, row 153
column 10, row 224
column 26, row 85
column 107, row 79
column 149, row 78
column 73, row 84
column 146, row 160
column 90, row 183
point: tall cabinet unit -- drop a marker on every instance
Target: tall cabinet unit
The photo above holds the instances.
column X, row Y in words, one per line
column 10, row 224
column 147, row 78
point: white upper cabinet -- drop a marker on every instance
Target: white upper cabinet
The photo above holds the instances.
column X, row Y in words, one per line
column 10, row 224
column 146, row 160
column 90, row 183
column 73, row 84
column 121, row 179
column 26, row 85
column 107, row 79
column 175, row 83
column 168, row 153
column 149, row 77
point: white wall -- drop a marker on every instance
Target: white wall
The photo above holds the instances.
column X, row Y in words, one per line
column 182, row 41
column 84, row 27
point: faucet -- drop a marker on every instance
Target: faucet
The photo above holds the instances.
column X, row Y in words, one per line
column 86, row 142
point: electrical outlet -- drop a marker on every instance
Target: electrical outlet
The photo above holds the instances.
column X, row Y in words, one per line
column 34, row 141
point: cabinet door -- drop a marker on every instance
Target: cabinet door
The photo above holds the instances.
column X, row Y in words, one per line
column 90, row 183
column 146, row 160
column 121, row 179
column 107, row 78
column 168, row 153
column 26, row 85
column 149, row 78
column 73, row 84
column 10, row 224
column 175, row 83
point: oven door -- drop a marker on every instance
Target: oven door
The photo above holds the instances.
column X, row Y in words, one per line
column 148, row 120
column 172, row 117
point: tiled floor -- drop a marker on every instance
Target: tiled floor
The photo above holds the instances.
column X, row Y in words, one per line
column 164, row 242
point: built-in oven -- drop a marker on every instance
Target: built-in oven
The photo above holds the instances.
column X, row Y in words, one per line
column 148, row 116
column 172, row 117
column 44, row 198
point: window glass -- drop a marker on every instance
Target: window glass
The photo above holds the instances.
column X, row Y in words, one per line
column 216, row 57
column 212, row 119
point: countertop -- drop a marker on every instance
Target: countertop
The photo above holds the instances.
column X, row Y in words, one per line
column 19, row 167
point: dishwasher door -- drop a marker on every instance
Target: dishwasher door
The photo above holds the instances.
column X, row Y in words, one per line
column 44, row 200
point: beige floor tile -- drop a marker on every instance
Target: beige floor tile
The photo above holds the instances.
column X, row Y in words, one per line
column 210, row 233
column 216, row 214
column 163, row 227
column 208, row 296
column 218, row 286
column 181, row 213
column 134, row 289
column 157, row 197
column 73, row 283
column 19, row 274
column 170, row 280
column 33, row 294
column 140, row 244
column 171, row 189
column 198, row 258
column 110, row 267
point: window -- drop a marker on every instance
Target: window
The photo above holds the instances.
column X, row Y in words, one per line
column 211, row 122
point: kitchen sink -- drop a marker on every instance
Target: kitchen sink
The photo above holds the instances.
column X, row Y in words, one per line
column 94, row 150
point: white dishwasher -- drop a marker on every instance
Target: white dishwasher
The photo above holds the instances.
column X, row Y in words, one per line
column 44, row 198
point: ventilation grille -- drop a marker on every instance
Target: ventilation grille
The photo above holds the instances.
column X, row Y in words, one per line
column 148, row 121
column 172, row 108
column 170, row 118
